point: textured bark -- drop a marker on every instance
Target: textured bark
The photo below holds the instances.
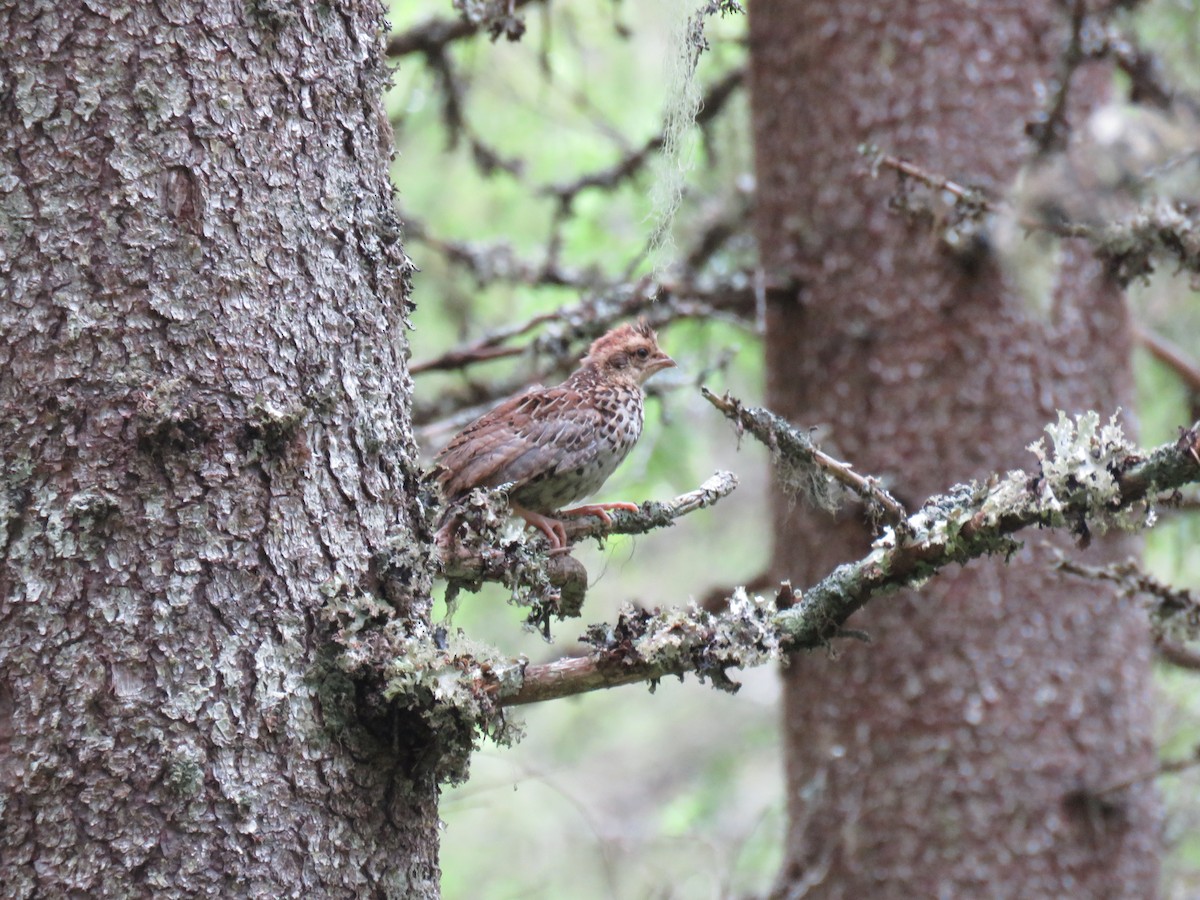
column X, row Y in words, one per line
column 953, row 757
column 205, row 434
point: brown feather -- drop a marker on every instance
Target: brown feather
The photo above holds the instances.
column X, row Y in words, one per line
column 555, row 445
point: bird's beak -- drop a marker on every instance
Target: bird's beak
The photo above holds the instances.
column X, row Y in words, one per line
column 659, row 362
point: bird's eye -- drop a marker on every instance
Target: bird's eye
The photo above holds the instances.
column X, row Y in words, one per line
column 642, row 353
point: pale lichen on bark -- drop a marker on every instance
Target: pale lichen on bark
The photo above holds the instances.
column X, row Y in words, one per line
column 205, row 427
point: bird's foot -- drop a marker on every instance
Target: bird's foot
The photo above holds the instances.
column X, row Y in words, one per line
column 551, row 528
column 600, row 510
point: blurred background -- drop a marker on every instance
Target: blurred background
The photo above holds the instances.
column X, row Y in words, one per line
column 525, row 174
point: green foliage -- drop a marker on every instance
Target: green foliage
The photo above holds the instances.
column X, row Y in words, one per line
column 678, row 794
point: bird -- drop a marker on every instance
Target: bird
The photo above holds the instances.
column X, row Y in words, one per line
column 552, row 446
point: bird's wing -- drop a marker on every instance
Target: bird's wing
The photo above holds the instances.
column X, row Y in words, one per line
column 526, row 437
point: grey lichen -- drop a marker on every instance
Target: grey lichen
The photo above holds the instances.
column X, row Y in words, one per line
column 549, row 587
column 942, row 517
column 1079, row 472
column 1077, row 486
column 1133, row 246
column 271, row 430
column 1077, row 480
column 183, row 774
column 688, row 639
column 426, row 680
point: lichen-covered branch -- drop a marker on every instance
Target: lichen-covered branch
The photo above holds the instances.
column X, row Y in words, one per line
column 1089, row 478
column 649, row 646
column 1129, row 245
column 473, row 561
column 803, row 465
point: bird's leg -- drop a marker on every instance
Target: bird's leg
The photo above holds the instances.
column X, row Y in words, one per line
column 600, row 510
column 551, row 528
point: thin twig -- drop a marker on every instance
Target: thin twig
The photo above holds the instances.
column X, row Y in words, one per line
column 795, row 446
column 1049, row 131
column 1177, row 654
column 489, row 263
column 715, row 98
column 486, row 347
column 1176, row 359
column 1166, row 767
column 660, row 303
column 434, row 35
column 971, row 196
column 1171, row 604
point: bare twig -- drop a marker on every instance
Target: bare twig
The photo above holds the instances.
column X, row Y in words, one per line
column 434, row 35
column 1173, row 356
column 1166, row 767
column 797, row 448
column 973, row 197
column 1172, row 605
column 1049, row 130
column 488, row 347
column 1177, row 654
column 660, row 303
column 489, row 263
column 1177, row 360
column 715, row 99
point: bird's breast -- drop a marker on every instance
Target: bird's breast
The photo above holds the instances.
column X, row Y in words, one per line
column 584, row 467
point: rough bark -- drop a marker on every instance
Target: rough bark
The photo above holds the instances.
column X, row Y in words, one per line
column 954, row 756
column 205, row 433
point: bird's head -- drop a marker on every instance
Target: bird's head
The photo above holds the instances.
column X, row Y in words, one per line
column 628, row 353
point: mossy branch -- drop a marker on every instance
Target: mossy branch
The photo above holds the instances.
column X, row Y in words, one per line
column 473, row 549
column 802, row 463
column 1089, row 478
column 469, row 562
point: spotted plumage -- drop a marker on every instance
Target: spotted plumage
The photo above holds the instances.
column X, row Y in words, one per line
column 556, row 445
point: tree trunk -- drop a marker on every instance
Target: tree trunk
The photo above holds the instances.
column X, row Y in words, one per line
column 960, row 754
column 206, row 441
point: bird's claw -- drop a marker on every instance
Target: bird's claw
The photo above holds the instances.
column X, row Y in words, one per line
column 600, row 510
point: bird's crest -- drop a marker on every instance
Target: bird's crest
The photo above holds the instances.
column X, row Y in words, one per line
column 616, row 338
